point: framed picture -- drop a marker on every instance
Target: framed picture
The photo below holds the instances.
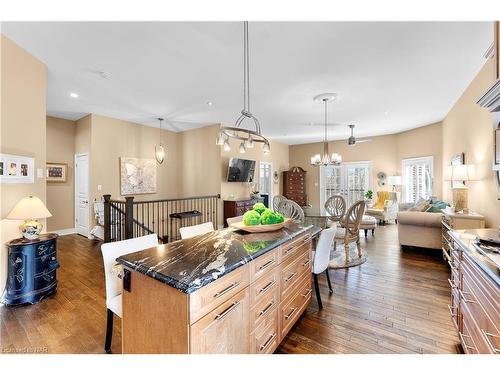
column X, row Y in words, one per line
column 57, row 172
column 137, row 176
column 16, row 169
column 457, row 160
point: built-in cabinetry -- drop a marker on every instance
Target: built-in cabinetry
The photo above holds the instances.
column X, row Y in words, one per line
column 238, row 207
column 475, row 301
column 455, row 221
column 248, row 310
column 294, row 185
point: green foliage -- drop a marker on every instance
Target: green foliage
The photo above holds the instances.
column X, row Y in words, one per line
column 251, row 218
column 259, row 207
column 369, row 194
column 268, row 217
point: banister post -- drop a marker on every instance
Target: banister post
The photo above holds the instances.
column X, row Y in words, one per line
column 107, row 217
column 129, row 217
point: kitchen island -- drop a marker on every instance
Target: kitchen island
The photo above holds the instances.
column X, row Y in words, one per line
column 222, row 292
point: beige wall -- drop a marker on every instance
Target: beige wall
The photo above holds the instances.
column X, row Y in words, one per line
column 278, row 157
column 468, row 128
column 60, row 195
column 385, row 153
column 23, row 90
column 83, row 135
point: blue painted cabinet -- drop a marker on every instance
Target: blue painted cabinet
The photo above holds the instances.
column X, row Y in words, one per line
column 31, row 270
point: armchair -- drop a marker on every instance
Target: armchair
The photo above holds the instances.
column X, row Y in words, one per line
column 385, row 208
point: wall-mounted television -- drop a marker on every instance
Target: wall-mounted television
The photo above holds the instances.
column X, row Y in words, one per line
column 240, row 170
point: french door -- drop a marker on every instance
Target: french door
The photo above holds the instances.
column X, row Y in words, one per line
column 350, row 180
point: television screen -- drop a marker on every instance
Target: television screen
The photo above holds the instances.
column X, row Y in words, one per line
column 240, row 170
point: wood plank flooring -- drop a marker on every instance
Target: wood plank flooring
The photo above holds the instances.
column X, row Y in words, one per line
column 394, row 303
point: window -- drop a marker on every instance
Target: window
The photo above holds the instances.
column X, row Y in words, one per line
column 417, row 178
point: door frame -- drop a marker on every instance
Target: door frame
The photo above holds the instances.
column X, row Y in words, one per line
column 343, row 179
column 76, row 191
column 271, row 180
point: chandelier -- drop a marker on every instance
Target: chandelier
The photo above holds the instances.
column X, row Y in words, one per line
column 159, row 149
column 248, row 137
column 326, row 158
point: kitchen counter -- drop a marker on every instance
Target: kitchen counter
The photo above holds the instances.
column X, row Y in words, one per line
column 190, row 264
column 467, row 239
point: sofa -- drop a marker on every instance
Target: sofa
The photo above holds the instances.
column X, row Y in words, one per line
column 419, row 229
column 385, row 208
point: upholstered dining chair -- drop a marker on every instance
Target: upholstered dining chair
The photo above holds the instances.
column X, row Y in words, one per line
column 321, row 259
column 111, row 251
column 349, row 232
column 335, row 207
column 196, row 230
column 277, row 199
column 291, row 210
column 235, row 219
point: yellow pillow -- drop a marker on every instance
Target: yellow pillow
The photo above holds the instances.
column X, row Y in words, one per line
column 382, row 197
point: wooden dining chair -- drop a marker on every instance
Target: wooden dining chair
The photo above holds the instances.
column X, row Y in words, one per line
column 349, row 232
column 110, row 251
column 335, row 206
column 291, row 210
column 196, row 230
column 321, row 259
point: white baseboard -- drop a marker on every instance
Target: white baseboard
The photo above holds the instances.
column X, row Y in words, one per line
column 64, row 232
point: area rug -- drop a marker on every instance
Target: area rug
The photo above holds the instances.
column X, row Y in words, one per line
column 337, row 257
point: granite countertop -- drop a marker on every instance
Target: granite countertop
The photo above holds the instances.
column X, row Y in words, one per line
column 192, row 263
column 483, row 258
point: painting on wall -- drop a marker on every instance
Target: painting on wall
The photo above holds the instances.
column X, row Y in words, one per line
column 137, row 176
column 56, row 172
column 15, row 169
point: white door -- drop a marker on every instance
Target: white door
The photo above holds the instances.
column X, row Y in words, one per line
column 82, row 194
column 350, row 180
column 266, row 179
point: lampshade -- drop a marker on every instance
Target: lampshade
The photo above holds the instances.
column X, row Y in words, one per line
column 29, row 208
column 394, row 180
column 462, row 172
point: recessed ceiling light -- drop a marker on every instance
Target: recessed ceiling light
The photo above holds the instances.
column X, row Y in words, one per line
column 74, row 95
column 209, row 103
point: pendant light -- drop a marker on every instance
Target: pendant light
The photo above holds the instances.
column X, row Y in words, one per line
column 247, row 137
column 326, row 159
column 160, row 151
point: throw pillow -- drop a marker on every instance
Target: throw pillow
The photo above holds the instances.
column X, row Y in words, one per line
column 421, row 206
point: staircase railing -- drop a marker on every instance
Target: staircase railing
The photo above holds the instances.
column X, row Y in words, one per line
column 124, row 219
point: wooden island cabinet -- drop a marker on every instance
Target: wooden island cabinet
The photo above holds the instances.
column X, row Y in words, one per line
column 250, row 309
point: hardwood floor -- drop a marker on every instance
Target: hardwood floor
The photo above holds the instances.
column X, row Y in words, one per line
column 394, row 303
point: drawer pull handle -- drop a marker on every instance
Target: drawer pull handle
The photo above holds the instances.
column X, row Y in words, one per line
column 227, row 311
column 464, row 343
column 453, row 286
column 292, row 313
column 451, row 311
column 266, row 345
column 306, row 263
column 306, row 294
column 268, row 307
column 224, row 291
column 452, row 266
column 462, row 294
column 487, row 336
column 269, row 285
column 265, row 265
column 290, row 277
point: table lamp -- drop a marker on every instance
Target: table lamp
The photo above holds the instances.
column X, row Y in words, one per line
column 30, row 209
column 460, row 173
column 394, row 181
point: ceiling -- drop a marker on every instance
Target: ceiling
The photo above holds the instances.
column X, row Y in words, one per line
column 389, row 76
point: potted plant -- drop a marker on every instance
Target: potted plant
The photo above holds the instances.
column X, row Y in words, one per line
column 368, row 197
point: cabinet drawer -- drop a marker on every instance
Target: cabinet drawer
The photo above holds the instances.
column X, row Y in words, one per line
column 44, row 280
column 294, row 246
column 263, row 308
column 209, row 297
column 263, row 264
column 290, row 310
column 265, row 338
column 46, row 264
column 223, row 330
column 240, row 211
column 241, row 203
column 45, row 249
column 466, row 340
column 291, row 273
column 264, row 285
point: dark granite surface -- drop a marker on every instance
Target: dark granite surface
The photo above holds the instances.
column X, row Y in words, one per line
column 190, row 264
column 466, row 239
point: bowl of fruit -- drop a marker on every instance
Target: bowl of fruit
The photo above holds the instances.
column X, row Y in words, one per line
column 261, row 219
